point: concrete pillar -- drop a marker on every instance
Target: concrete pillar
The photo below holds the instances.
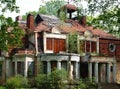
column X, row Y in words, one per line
column 90, row 70
column 59, row 65
column 25, row 68
column 97, row 45
column 114, row 72
column 15, row 66
column 76, row 70
column 36, row 44
column 96, row 72
column 108, row 72
column 48, row 67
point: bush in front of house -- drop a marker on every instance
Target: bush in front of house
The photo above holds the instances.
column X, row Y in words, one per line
column 86, row 83
column 1, row 87
column 54, row 80
column 57, row 79
column 17, row 81
column 41, row 81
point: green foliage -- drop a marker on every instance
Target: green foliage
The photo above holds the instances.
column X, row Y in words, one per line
column 72, row 41
column 1, row 87
column 42, row 81
column 108, row 21
column 86, row 84
column 53, row 6
column 8, row 5
column 34, row 13
column 17, row 81
column 53, row 80
column 10, row 33
column 62, row 16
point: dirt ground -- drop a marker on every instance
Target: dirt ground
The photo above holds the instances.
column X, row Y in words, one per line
column 109, row 86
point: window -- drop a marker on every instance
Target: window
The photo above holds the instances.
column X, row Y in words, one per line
column 64, row 65
column 49, row 44
column 20, row 68
column 31, row 69
column 56, row 45
column 93, row 47
column 44, row 67
column 88, row 46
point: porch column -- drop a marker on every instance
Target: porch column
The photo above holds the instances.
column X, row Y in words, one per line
column 76, row 70
column 90, row 70
column 114, row 72
column 25, row 70
column 15, row 66
column 59, row 65
column 48, row 67
column 36, row 44
column 108, row 72
column 96, row 72
column 97, row 45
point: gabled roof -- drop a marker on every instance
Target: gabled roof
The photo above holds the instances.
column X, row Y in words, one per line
column 46, row 23
column 50, row 20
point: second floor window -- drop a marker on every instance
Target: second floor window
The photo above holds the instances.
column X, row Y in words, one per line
column 88, row 46
column 56, row 45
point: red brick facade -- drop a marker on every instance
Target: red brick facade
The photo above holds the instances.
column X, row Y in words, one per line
column 104, row 47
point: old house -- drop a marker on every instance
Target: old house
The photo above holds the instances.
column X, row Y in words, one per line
column 47, row 42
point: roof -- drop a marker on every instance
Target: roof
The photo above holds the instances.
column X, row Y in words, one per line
column 96, row 32
column 70, row 7
column 42, row 27
column 67, row 29
column 50, row 20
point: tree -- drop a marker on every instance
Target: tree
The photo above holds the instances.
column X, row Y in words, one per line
column 51, row 7
column 109, row 15
column 34, row 13
column 72, row 41
column 10, row 33
column 104, row 14
column 8, row 5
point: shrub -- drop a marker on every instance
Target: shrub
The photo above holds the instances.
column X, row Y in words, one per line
column 86, row 84
column 17, row 81
column 54, row 80
column 57, row 78
column 42, row 81
column 1, row 87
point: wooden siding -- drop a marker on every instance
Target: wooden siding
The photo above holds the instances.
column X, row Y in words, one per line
column 56, row 45
column 49, row 44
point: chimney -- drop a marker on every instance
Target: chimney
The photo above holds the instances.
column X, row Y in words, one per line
column 30, row 22
column 83, row 21
column 18, row 18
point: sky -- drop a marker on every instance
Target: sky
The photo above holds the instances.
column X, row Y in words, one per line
column 26, row 6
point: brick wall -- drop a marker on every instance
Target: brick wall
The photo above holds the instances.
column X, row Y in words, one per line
column 104, row 47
